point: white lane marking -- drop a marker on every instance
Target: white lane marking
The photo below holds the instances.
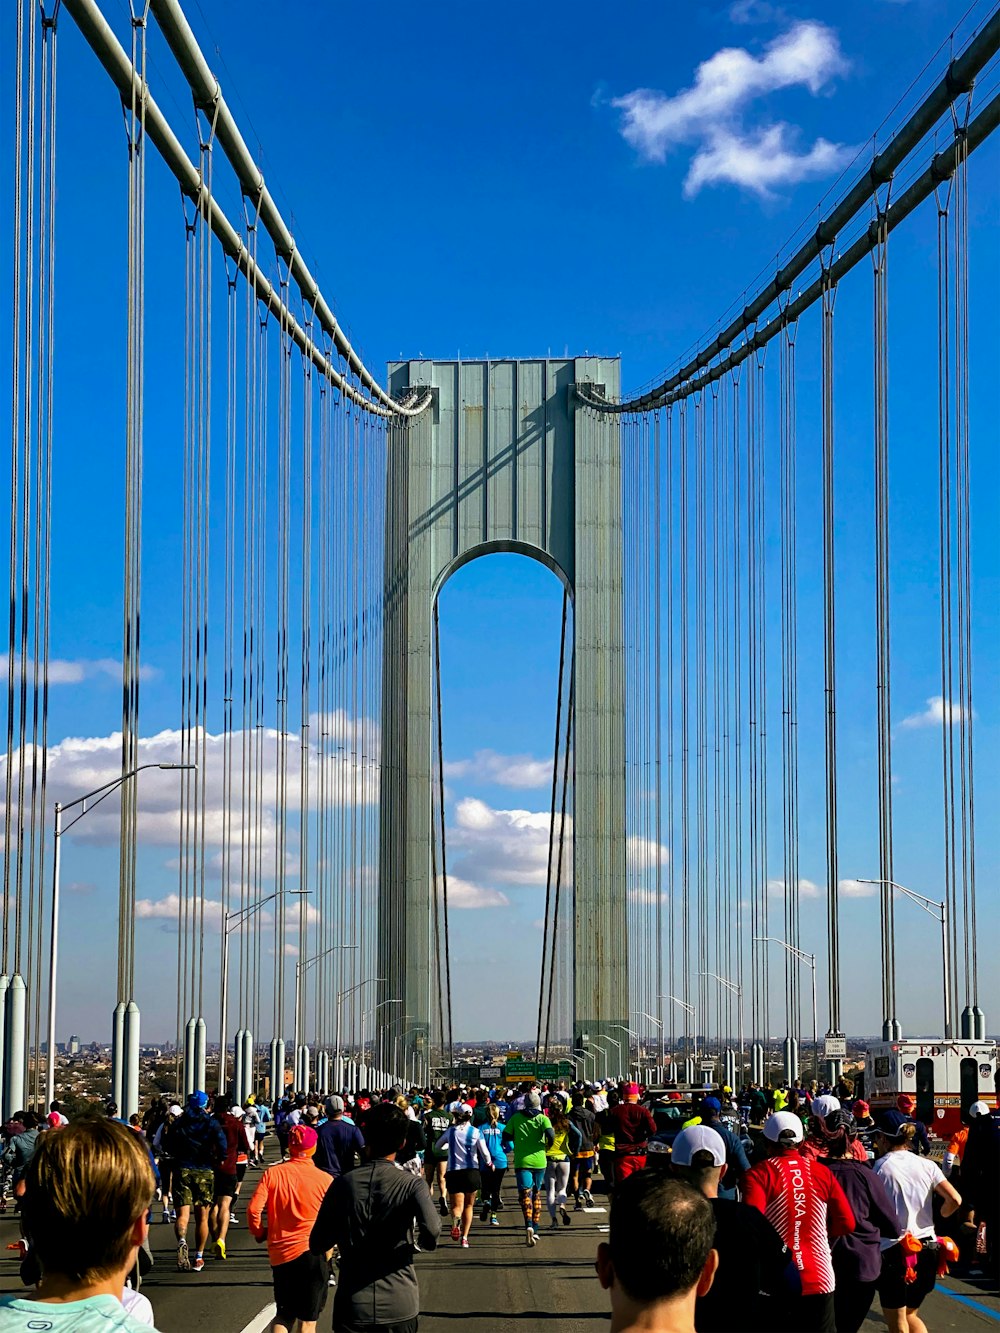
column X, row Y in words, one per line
column 261, row 1321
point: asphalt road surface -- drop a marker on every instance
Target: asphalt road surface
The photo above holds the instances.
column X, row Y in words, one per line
column 496, row 1286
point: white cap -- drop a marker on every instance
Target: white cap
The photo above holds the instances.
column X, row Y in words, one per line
column 175, row 1110
column 825, row 1104
column 695, row 1139
column 237, row 1111
column 979, row 1108
column 783, row 1127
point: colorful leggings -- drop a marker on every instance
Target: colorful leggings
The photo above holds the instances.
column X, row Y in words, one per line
column 529, row 1193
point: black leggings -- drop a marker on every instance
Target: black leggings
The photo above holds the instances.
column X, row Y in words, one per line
column 492, row 1180
column 851, row 1302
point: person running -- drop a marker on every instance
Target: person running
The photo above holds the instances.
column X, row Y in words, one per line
column 606, row 1138
column 468, row 1156
column 910, row 1259
column 371, row 1215
column 340, row 1141
column 566, row 1140
column 807, row 1207
column 87, row 1194
column 658, row 1259
column 227, row 1174
column 633, row 1126
column 737, row 1162
column 165, row 1163
column 290, row 1193
column 21, row 1147
column 530, row 1133
column 196, row 1144
column 437, row 1121
column 890, row 1121
column 757, row 1276
column 981, row 1180
column 857, row 1256
column 492, row 1136
column 582, row 1171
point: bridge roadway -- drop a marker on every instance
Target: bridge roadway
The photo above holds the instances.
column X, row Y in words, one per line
column 497, row 1286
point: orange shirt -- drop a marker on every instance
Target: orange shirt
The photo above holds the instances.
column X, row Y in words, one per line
column 291, row 1192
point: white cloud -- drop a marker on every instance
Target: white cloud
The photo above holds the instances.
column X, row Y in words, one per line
column 647, row 896
column 755, row 11
column 505, row 770
column 166, row 909
column 80, row 764
column 464, row 895
column 508, row 847
column 709, row 114
column 934, row 714
column 853, row 888
column 63, row 671
column 807, row 888
column 642, row 852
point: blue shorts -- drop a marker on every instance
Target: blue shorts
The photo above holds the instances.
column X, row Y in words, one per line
column 528, row 1178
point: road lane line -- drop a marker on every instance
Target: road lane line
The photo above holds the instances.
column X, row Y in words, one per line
column 973, row 1305
column 261, row 1321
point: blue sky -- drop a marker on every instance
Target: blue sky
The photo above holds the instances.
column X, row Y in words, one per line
column 496, row 183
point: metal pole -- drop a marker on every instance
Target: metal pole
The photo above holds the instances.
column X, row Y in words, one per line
column 224, row 1009
column 50, row 1067
column 812, row 958
column 946, row 970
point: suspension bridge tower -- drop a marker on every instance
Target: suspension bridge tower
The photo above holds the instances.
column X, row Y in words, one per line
column 506, row 459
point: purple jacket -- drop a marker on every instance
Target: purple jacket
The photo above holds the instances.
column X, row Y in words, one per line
column 856, row 1256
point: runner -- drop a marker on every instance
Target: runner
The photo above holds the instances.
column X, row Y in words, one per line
column 658, row 1258
column 369, row 1216
column 530, row 1133
column 227, row 1173
column 606, row 1139
column 87, row 1193
column 467, row 1157
column 857, row 1256
column 165, row 1164
column 437, row 1121
column 633, row 1127
column 757, row 1276
column 291, row 1194
column 492, row 1136
column 340, row 1141
column 737, row 1162
column 910, row 1260
column 566, row 1140
column 806, row 1206
column 582, row 1172
column 196, row 1143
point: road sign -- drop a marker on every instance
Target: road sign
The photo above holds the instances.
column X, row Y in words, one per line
column 834, row 1048
column 490, row 1073
column 707, row 1067
column 520, row 1069
column 549, row 1071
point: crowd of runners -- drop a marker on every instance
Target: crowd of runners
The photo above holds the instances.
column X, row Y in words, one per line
column 784, row 1209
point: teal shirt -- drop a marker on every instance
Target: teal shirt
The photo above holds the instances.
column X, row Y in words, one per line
column 96, row 1314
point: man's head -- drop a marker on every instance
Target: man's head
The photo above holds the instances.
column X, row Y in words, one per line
column 783, row 1131
column 711, row 1108
column 631, row 1092
column 699, row 1157
column 906, row 1103
column 86, row 1193
column 302, row 1140
column 197, row 1101
column 533, row 1102
column 385, row 1130
column 659, row 1249
column 335, row 1107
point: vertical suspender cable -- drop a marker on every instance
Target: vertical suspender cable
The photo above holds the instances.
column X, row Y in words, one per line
column 552, row 823
column 444, row 854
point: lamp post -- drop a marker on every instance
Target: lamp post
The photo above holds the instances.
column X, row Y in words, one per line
column 620, row 1027
column 939, row 911
column 599, row 1043
column 300, row 969
column 803, row 957
column 592, row 1055
column 400, row 1037
column 736, row 990
column 58, row 831
column 229, row 923
column 342, row 996
column 370, row 1013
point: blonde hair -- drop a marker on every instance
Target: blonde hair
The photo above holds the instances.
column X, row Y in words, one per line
column 402, row 1103
column 85, row 1188
column 493, row 1111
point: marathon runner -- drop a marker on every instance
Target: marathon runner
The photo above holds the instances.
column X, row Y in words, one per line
column 530, row 1133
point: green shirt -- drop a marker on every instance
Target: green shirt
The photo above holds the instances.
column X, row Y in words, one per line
column 530, row 1139
column 96, row 1314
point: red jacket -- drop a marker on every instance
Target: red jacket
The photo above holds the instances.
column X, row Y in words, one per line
column 632, row 1126
column 805, row 1204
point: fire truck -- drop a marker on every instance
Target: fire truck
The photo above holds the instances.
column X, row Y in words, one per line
column 945, row 1078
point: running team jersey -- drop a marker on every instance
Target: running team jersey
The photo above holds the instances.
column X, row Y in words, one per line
column 805, row 1204
column 437, row 1121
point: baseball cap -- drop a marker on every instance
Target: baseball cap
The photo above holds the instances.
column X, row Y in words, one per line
column 979, row 1108
column 197, row 1101
column 631, row 1089
column 783, row 1127
column 698, row 1138
column 54, row 1120
column 825, row 1104
column 861, row 1108
column 334, row 1104
column 175, row 1110
column 302, row 1140
column 534, row 1101
column 711, row 1104
column 237, row 1111
column 905, row 1102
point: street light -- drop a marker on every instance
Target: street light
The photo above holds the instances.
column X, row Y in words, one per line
column 692, row 1013
column 598, row 1042
column 803, row 957
column 939, row 911
column 620, row 1027
column 300, row 969
column 736, row 990
column 587, row 1055
column 371, row 1013
column 229, row 923
column 59, row 809
column 401, row 1036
